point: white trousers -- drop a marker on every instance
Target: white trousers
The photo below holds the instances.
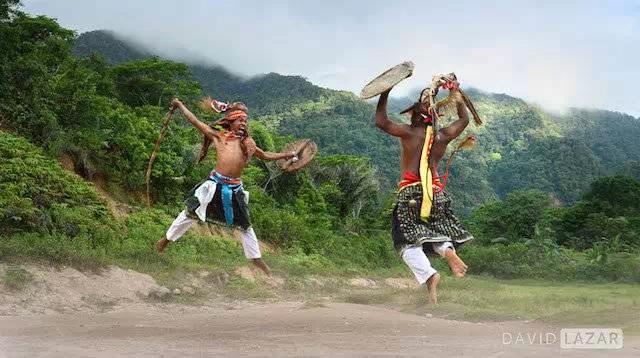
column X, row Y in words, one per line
column 419, row 263
column 182, row 223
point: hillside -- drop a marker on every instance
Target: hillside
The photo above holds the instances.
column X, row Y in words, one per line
column 113, row 51
column 44, row 205
column 520, row 146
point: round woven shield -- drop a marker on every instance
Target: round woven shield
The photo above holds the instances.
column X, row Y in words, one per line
column 305, row 151
column 388, row 79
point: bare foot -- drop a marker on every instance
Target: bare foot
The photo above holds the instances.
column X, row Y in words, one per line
column 262, row 266
column 432, row 286
column 458, row 267
column 162, row 244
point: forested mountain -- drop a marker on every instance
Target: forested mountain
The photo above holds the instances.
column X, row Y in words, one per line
column 520, row 146
column 337, row 121
column 114, row 51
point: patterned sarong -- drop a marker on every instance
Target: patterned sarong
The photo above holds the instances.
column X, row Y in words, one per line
column 408, row 229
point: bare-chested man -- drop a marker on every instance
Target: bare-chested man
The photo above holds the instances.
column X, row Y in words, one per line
column 221, row 198
column 415, row 234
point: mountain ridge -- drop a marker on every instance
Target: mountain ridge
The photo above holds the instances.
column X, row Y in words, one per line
column 518, row 137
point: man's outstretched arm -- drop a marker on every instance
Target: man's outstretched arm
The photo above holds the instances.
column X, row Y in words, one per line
column 202, row 127
column 273, row 156
column 383, row 122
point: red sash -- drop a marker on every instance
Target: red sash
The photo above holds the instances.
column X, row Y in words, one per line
column 409, row 178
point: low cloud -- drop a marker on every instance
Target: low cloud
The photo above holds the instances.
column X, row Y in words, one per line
column 557, row 54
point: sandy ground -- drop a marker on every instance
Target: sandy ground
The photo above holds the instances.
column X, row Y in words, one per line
column 66, row 313
column 273, row 329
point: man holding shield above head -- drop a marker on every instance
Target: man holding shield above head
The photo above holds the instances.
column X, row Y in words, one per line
column 220, row 198
column 423, row 222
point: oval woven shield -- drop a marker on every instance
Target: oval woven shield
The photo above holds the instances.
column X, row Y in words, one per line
column 305, row 150
column 388, row 79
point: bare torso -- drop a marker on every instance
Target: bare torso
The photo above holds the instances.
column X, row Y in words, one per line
column 412, row 151
column 231, row 158
column 412, row 137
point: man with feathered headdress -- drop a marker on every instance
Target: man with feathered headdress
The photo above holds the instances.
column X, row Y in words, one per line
column 423, row 222
column 220, row 198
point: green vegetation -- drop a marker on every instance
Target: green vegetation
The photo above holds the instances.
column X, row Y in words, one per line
column 534, row 193
column 55, row 216
column 596, row 239
column 520, row 146
column 477, row 299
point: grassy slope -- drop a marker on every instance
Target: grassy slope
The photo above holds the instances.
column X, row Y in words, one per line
column 131, row 239
column 52, row 215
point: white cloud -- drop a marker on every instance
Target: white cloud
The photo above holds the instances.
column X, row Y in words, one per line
column 556, row 53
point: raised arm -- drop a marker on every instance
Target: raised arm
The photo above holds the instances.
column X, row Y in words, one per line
column 202, row 127
column 273, row 156
column 383, row 122
column 455, row 129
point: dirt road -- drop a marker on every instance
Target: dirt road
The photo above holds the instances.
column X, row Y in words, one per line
column 275, row 329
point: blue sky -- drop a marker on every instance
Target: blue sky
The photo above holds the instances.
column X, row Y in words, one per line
column 554, row 53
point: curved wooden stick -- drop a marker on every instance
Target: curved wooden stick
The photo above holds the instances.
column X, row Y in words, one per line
column 165, row 125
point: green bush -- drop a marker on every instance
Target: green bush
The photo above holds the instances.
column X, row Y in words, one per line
column 519, row 260
column 37, row 195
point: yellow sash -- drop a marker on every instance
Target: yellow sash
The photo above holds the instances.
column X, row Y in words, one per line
column 426, row 176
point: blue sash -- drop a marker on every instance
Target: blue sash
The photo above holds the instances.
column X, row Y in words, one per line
column 228, row 186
